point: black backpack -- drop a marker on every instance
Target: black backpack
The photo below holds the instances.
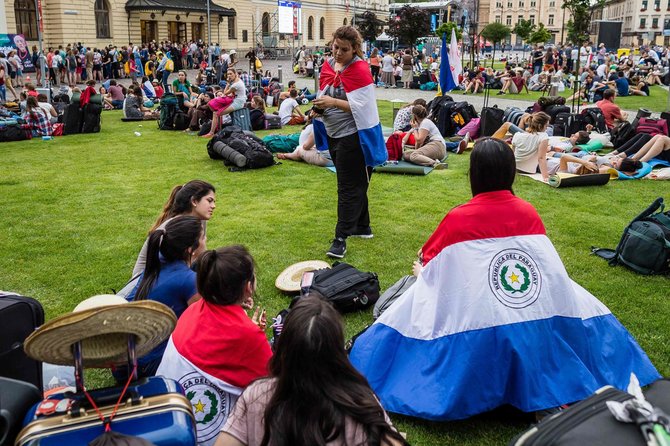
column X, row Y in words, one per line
column 622, row 133
column 180, row 120
column 168, row 109
column 645, row 244
column 73, row 119
column 9, row 133
column 347, row 288
column 91, row 118
column 595, row 117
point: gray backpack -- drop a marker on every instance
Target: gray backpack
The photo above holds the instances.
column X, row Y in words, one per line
column 392, row 294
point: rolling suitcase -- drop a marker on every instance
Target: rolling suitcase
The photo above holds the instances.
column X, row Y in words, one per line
column 242, row 118
column 19, row 317
column 73, row 119
column 272, row 122
column 590, row 422
column 153, row 408
column 16, row 398
column 491, row 117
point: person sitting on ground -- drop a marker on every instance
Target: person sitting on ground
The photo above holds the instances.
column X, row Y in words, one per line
column 403, row 118
column 49, row 109
column 531, row 147
column 289, row 110
column 36, row 118
column 215, row 342
column 624, row 88
column 200, row 112
column 133, row 107
column 158, row 88
column 196, row 198
column 116, row 94
column 148, row 88
column 513, row 84
column 167, row 278
column 181, row 88
column 307, row 150
column 429, row 148
column 475, row 84
column 612, row 113
column 310, row 364
column 257, row 113
column 106, row 98
column 584, row 90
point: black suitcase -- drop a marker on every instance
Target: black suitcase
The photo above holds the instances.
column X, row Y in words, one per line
column 73, row 118
column 491, row 120
column 554, row 110
column 19, row 317
column 590, row 423
column 91, row 118
column 562, row 124
column 16, row 398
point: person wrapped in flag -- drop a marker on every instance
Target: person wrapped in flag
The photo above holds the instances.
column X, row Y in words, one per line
column 493, row 318
column 349, row 128
column 216, row 350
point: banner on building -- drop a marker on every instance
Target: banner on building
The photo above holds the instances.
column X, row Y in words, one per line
column 17, row 43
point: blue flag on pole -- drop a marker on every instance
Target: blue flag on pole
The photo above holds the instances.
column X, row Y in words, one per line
column 446, row 79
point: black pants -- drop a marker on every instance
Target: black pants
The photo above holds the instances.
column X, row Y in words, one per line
column 353, row 178
column 633, row 145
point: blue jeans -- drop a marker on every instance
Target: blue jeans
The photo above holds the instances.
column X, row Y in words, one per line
column 166, row 75
column 3, row 93
column 117, row 104
column 514, row 129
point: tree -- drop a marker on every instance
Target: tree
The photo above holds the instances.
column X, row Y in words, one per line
column 580, row 23
column 523, row 30
column 409, row 25
column 541, row 35
column 369, row 26
column 446, row 28
column 495, row 33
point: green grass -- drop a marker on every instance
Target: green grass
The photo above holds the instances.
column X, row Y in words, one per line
column 76, row 210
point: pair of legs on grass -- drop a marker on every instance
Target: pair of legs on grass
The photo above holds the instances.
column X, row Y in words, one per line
column 217, row 117
column 308, row 153
column 508, row 127
column 658, row 146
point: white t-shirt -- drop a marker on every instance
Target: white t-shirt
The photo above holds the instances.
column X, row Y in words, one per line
column 553, row 164
column 602, row 70
column 387, row 64
column 286, row 109
column 306, row 132
column 240, row 90
column 47, row 108
column 525, row 147
column 433, row 132
column 560, row 142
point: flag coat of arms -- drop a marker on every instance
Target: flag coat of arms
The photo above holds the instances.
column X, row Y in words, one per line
column 494, row 319
column 356, row 80
column 215, row 352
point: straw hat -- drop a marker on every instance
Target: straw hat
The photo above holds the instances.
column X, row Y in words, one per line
column 289, row 279
column 102, row 324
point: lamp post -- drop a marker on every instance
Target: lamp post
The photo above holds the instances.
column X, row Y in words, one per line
column 209, row 36
column 43, row 60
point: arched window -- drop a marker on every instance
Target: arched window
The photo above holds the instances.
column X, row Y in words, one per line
column 322, row 28
column 310, row 28
column 265, row 24
column 26, row 18
column 102, row 29
column 344, row 22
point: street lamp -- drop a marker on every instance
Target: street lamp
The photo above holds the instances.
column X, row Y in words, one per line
column 209, row 35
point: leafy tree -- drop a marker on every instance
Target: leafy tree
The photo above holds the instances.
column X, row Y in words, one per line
column 369, row 26
column 540, row 35
column 495, row 33
column 523, row 30
column 446, row 28
column 409, row 25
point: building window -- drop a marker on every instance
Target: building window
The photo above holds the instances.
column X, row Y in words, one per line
column 499, row 4
column 497, row 19
column 310, row 28
column 509, row 4
column 657, row 5
column 177, row 31
column 26, row 18
column 533, row 4
column 644, row 5
column 508, row 20
column 654, row 22
column 245, row 35
column 148, row 30
column 532, row 19
column 265, row 24
column 552, row 4
column 102, row 19
column 550, row 21
column 643, row 22
column 322, row 28
column 232, row 28
column 519, row 19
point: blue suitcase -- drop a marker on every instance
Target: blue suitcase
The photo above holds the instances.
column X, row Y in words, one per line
column 242, row 118
column 152, row 408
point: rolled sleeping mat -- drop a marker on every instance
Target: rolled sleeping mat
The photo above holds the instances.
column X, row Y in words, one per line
column 75, row 97
column 229, row 154
column 96, row 99
column 570, row 180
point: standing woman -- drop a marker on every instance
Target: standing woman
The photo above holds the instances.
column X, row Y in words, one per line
column 374, row 64
column 349, row 127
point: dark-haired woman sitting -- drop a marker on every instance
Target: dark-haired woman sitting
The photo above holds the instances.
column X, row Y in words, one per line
column 168, row 278
column 216, row 350
column 313, row 395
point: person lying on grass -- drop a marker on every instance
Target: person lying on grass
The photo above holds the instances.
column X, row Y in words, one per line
column 306, row 150
column 657, row 147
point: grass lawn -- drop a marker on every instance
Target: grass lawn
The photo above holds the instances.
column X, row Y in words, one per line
column 76, row 210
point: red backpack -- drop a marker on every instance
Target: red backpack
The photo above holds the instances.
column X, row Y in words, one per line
column 652, row 126
column 394, row 145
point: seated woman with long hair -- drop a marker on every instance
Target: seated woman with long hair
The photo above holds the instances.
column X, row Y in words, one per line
column 168, row 278
column 313, row 395
column 196, row 198
column 216, row 350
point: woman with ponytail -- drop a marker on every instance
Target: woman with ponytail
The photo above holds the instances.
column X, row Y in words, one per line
column 216, row 349
column 168, row 278
column 531, row 147
column 196, row 198
column 313, row 396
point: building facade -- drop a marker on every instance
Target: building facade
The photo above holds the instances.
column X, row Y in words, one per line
column 643, row 21
column 238, row 25
column 509, row 12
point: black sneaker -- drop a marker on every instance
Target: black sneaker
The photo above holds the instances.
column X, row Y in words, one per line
column 363, row 233
column 338, row 249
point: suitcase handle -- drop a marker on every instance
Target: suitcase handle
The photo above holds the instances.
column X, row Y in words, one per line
column 80, row 401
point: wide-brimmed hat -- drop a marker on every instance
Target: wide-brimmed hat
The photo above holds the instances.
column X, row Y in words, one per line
column 233, row 52
column 102, row 325
column 289, row 279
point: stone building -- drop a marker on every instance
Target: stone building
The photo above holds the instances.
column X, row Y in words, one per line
column 235, row 25
column 643, row 21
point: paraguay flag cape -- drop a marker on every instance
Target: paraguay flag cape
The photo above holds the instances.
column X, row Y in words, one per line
column 357, row 83
column 214, row 353
column 494, row 319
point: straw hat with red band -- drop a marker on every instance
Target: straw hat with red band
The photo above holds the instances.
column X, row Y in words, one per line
column 102, row 325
